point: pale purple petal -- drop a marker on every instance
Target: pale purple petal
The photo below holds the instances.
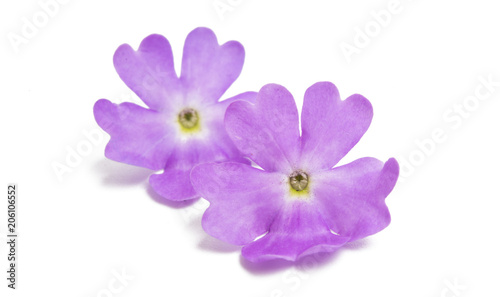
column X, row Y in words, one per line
column 297, row 230
column 267, row 132
column 208, row 69
column 351, row 198
column 149, row 71
column 174, row 183
column 243, row 200
column 330, row 126
column 139, row 136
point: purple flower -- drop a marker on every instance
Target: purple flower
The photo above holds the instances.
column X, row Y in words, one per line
column 298, row 200
column 183, row 125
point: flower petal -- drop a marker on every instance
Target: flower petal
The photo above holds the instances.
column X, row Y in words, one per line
column 297, row 231
column 351, row 198
column 139, row 136
column 268, row 131
column 149, row 71
column 330, row 126
column 207, row 68
column 174, row 183
column 243, row 200
column 213, row 116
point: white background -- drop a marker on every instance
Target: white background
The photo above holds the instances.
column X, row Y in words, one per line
column 77, row 233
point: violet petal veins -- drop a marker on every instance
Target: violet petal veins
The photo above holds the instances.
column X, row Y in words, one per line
column 299, row 201
column 183, row 124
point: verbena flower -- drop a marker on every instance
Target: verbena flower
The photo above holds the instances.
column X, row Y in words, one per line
column 183, row 125
column 297, row 199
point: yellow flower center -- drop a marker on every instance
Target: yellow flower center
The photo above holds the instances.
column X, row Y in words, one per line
column 299, row 180
column 189, row 120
